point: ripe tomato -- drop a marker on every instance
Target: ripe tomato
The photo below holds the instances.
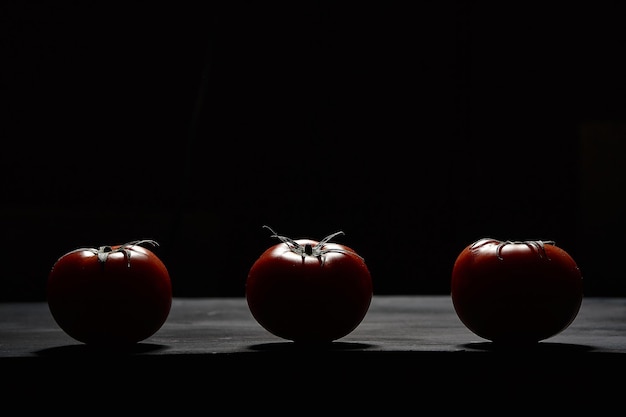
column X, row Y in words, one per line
column 516, row 292
column 308, row 291
column 113, row 295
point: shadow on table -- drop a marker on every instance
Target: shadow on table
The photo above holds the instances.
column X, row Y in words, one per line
column 539, row 348
column 289, row 346
column 83, row 350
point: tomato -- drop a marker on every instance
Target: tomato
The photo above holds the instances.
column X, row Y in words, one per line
column 309, row 291
column 516, row 292
column 114, row 295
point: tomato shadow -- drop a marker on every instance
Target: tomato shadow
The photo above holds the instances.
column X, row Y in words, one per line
column 289, row 346
column 538, row 348
column 87, row 351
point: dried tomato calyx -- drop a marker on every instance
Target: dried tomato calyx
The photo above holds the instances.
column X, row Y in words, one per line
column 103, row 252
column 538, row 245
column 307, row 249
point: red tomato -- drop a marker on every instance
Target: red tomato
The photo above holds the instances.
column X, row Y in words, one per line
column 308, row 291
column 113, row 295
column 516, row 292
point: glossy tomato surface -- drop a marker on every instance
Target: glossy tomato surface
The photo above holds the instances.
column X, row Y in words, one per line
column 309, row 291
column 516, row 291
column 113, row 295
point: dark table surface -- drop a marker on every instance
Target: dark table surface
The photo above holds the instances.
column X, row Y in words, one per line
column 393, row 324
column 403, row 342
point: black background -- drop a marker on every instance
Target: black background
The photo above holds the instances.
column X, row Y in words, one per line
column 415, row 129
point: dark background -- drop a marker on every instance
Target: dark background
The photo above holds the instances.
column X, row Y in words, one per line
column 415, row 129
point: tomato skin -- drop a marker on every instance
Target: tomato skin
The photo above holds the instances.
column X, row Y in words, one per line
column 516, row 292
column 309, row 299
column 121, row 301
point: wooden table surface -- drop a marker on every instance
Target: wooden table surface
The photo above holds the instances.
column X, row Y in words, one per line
column 418, row 339
column 393, row 324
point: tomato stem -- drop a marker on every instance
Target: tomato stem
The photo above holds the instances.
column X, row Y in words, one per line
column 103, row 252
column 307, row 250
column 539, row 245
